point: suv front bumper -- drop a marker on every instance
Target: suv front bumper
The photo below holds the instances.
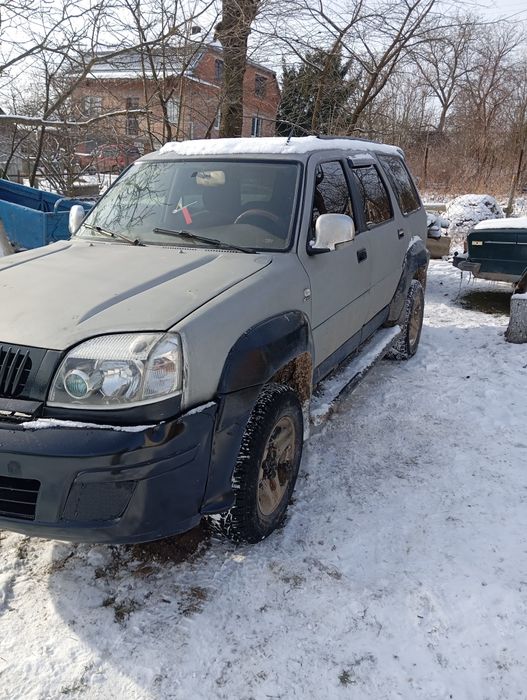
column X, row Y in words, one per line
column 80, row 483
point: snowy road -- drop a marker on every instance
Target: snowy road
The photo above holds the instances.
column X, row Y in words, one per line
column 401, row 573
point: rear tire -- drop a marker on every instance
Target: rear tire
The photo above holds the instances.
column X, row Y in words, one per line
column 406, row 344
column 266, row 469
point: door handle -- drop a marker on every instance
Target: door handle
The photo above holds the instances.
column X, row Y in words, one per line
column 362, row 254
column 400, row 233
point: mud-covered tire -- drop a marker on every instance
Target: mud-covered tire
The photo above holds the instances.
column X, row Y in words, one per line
column 406, row 344
column 266, row 469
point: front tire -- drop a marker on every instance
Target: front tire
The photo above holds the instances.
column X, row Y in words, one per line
column 267, row 467
column 407, row 342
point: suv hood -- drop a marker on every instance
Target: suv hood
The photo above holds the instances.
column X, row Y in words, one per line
column 56, row 296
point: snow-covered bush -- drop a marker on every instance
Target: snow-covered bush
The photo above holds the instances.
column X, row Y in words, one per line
column 466, row 211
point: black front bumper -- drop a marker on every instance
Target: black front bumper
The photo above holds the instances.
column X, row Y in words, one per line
column 105, row 484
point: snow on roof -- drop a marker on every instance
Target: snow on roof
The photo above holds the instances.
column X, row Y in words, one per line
column 493, row 224
column 272, row 144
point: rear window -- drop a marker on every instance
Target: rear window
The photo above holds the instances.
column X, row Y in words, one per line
column 402, row 183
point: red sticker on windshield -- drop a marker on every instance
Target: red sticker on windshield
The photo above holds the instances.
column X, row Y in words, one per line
column 186, row 215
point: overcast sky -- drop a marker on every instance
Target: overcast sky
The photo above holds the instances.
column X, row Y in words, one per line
column 500, row 8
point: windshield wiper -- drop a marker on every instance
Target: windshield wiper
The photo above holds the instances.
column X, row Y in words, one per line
column 203, row 239
column 111, row 234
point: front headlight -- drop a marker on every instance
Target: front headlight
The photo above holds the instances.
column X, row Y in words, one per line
column 116, row 371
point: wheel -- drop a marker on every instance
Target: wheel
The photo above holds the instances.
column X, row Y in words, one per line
column 267, row 467
column 408, row 341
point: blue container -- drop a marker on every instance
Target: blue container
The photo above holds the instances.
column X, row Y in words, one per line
column 31, row 217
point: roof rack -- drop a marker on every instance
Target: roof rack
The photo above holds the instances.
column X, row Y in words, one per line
column 345, row 138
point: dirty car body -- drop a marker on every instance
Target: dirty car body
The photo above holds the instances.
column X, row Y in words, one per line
column 132, row 355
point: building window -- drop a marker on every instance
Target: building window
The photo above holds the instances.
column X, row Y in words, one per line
column 92, row 106
column 173, row 111
column 218, row 70
column 256, row 126
column 132, row 121
column 260, row 86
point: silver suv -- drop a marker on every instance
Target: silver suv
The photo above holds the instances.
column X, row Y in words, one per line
column 158, row 367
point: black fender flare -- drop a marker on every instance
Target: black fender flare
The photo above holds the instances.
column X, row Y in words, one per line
column 253, row 359
column 417, row 257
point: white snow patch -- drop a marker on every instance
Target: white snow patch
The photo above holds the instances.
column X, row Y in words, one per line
column 48, row 423
column 200, row 409
column 273, row 144
column 496, row 224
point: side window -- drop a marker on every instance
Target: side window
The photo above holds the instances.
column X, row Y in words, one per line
column 374, row 196
column 402, row 183
column 331, row 191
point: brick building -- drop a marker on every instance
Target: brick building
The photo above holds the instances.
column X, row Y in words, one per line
column 183, row 95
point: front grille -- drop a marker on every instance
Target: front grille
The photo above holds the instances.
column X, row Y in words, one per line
column 18, row 497
column 15, row 366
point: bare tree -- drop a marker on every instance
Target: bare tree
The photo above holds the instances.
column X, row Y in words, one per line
column 444, row 60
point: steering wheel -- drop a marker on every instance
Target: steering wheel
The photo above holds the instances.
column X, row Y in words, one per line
column 250, row 213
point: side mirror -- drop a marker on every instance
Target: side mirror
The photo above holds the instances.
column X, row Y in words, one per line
column 77, row 215
column 330, row 231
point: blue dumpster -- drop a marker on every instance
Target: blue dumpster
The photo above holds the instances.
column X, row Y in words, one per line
column 31, row 217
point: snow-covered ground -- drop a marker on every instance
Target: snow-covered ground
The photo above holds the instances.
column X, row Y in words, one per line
column 401, row 572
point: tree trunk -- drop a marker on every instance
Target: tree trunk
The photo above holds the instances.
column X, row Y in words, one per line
column 517, row 330
column 233, row 32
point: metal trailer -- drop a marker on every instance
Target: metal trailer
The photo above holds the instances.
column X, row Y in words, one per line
column 31, row 218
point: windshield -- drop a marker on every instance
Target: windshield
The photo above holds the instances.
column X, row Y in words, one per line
column 233, row 203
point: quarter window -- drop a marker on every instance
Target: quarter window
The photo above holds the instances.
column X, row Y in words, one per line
column 374, row 196
column 402, row 183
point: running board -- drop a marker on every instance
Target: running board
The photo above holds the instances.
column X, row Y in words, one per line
column 348, row 375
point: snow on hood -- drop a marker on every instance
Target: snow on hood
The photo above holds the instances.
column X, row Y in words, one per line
column 496, row 224
column 273, row 145
column 69, row 291
column 466, row 211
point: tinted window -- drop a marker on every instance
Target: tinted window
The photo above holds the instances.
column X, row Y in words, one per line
column 402, row 183
column 331, row 191
column 374, row 196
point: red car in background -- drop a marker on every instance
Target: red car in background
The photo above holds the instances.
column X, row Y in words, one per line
column 108, row 158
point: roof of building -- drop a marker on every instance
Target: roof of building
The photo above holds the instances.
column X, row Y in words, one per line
column 273, row 145
column 168, row 60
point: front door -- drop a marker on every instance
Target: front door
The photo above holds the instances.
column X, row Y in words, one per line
column 340, row 279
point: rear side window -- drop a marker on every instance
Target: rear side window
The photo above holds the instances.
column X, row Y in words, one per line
column 375, row 200
column 402, row 183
